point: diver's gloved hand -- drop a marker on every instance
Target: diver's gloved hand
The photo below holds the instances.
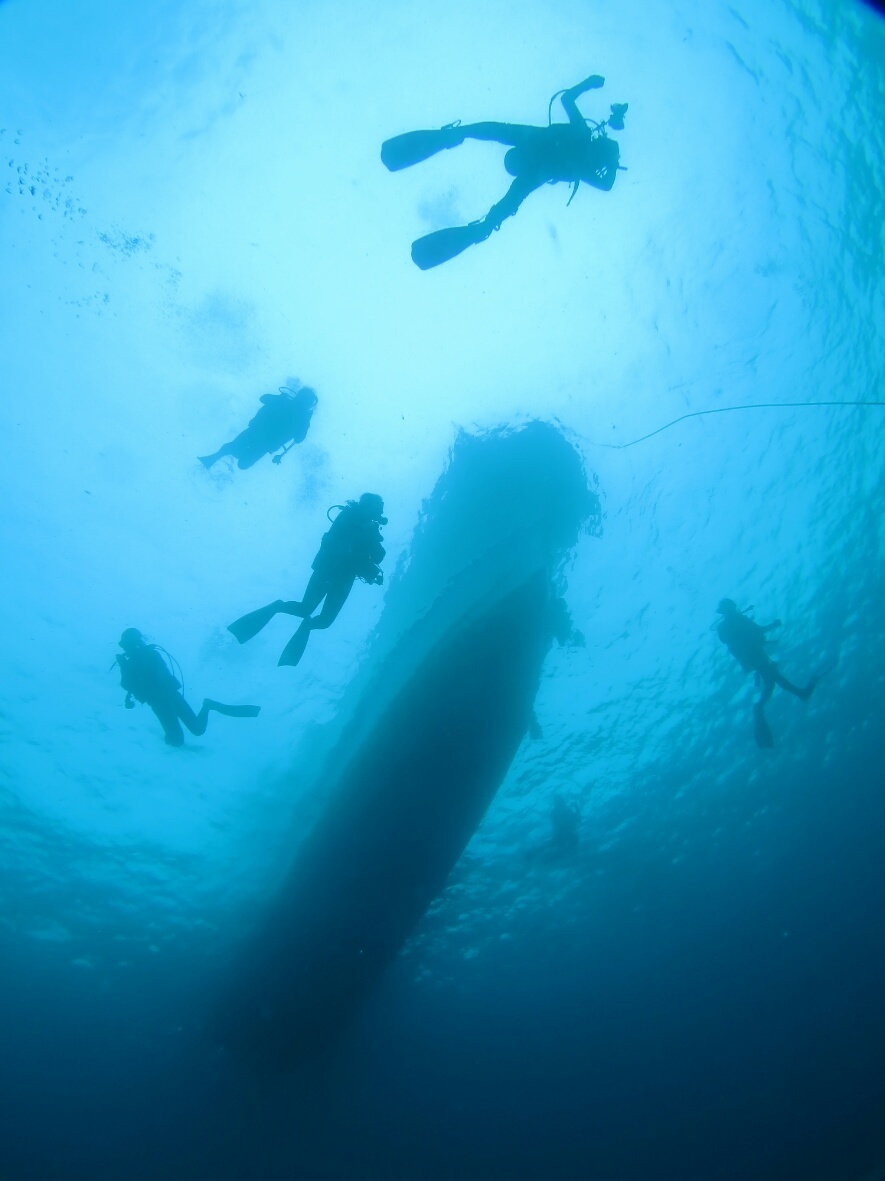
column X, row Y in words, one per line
column 594, row 82
column 129, row 703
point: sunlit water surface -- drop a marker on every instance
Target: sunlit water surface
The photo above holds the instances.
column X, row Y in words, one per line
column 193, row 211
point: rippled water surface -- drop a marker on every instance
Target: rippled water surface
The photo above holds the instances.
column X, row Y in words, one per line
column 684, row 980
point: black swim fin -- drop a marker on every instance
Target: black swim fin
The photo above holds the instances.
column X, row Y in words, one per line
column 441, row 245
column 234, row 711
column 250, row 625
column 817, row 677
column 294, row 650
column 761, row 731
column 414, row 146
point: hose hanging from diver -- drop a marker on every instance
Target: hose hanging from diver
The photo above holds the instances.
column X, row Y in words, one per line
column 174, row 666
column 599, row 129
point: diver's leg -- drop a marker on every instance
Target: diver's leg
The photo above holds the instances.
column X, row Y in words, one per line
column 510, row 202
column 336, row 597
column 769, row 679
column 196, row 723
column 802, row 692
column 335, row 594
column 317, row 587
column 249, row 446
column 208, row 460
column 765, row 673
column 441, row 245
column 167, row 716
column 761, row 730
column 513, row 135
column 229, row 711
column 414, row 146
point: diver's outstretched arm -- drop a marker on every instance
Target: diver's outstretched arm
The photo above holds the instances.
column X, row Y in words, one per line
column 574, row 92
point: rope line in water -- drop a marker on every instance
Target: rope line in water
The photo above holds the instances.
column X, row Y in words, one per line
column 728, row 410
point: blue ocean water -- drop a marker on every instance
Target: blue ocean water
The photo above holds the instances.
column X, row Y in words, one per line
column 685, row 979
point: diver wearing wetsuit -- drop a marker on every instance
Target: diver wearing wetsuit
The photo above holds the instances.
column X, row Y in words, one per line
column 145, row 676
column 351, row 549
column 283, row 419
column 538, row 155
column 745, row 640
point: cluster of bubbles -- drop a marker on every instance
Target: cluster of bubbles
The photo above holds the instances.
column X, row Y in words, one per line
column 44, row 184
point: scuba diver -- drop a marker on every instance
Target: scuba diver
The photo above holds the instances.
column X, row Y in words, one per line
column 565, row 825
column 146, row 677
column 351, row 549
column 282, row 421
column 574, row 151
column 746, row 641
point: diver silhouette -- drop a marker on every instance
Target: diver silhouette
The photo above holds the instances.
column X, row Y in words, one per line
column 147, row 678
column 571, row 151
column 745, row 640
column 565, row 825
column 351, row 549
column 281, row 422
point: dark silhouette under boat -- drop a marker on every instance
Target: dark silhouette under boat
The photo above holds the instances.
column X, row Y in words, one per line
column 579, row 150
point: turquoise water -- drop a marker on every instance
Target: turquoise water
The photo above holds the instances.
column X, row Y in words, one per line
column 193, row 213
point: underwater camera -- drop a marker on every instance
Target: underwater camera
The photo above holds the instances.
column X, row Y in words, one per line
column 616, row 118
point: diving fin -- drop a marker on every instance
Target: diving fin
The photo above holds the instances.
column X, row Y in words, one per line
column 816, row 677
column 250, row 625
column 441, row 245
column 294, row 650
column 234, row 711
column 414, row 146
column 761, row 731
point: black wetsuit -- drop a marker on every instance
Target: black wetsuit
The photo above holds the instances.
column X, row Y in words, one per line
column 281, row 419
column 351, row 549
column 537, row 156
column 145, row 675
column 745, row 640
